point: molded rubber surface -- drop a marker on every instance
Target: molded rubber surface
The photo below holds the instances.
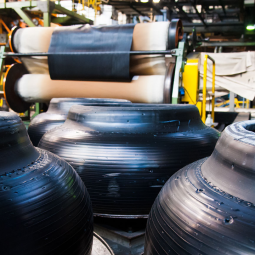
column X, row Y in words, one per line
column 208, row 206
column 45, row 207
column 125, row 155
column 57, row 114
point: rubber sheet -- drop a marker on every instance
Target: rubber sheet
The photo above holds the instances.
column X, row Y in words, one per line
column 85, row 38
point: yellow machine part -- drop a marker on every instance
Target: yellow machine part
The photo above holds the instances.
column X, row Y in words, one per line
column 191, row 83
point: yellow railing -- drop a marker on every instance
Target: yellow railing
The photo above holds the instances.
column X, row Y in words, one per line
column 204, row 88
column 237, row 103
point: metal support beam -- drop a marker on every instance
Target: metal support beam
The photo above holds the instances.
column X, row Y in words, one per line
column 2, row 60
column 46, row 19
column 47, row 8
column 179, row 53
column 139, row 12
column 181, row 11
column 213, row 2
column 184, row 13
column 72, row 14
column 13, row 5
column 24, row 16
column 234, row 27
column 231, row 101
column 227, row 44
column 223, row 6
column 198, row 14
column 156, row 9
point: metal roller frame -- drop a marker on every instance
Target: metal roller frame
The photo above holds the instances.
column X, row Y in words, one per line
column 172, row 79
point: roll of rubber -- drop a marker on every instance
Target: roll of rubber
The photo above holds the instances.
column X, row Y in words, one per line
column 142, row 89
column 106, row 67
column 208, row 206
column 57, row 114
column 146, row 36
column 12, row 75
column 125, row 154
column 45, row 207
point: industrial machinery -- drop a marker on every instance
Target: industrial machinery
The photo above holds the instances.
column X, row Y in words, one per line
column 157, row 57
column 154, row 63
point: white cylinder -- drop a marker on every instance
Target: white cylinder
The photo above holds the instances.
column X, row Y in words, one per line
column 149, row 36
column 32, row 39
column 142, row 89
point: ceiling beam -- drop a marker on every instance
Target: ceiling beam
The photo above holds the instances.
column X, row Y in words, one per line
column 213, row 2
column 183, row 12
column 155, row 8
column 139, row 12
column 198, row 14
column 230, row 27
column 223, row 6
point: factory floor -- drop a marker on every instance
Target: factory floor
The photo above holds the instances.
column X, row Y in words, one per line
column 124, row 236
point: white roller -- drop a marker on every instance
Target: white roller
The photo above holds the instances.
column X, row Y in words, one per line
column 146, row 36
column 142, row 89
column 149, row 36
column 32, row 39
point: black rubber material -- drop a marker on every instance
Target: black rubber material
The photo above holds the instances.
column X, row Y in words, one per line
column 175, row 30
column 125, row 155
column 107, row 67
column 45, row 207
column 208, row 207
column 57, row 114
column 15, row 102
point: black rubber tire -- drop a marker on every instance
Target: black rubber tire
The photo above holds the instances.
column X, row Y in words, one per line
column 208, row 207
column 57, row 114
column 45, row 207
column 125, row 155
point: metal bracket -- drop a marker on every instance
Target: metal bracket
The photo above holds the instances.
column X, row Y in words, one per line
column 46, row 6
column 179, row 68
column 2, row 60
column 24, row 16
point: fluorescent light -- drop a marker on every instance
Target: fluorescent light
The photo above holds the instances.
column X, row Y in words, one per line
column 250, row 27
column 144, row 1
column 156, row 1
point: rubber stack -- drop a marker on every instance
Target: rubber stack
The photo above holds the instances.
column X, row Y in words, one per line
column 45, row 207
column 208, row 206
column 125, row 154
column 57, row 114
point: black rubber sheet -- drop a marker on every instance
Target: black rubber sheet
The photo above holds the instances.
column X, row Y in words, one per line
column 99, row 67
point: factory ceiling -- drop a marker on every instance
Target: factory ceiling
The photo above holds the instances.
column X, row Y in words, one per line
column 227, row 16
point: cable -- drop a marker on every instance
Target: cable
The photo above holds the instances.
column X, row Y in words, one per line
column 189, row 95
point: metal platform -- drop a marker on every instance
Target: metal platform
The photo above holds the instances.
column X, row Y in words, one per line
column 100, row 247
column 124, row 236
